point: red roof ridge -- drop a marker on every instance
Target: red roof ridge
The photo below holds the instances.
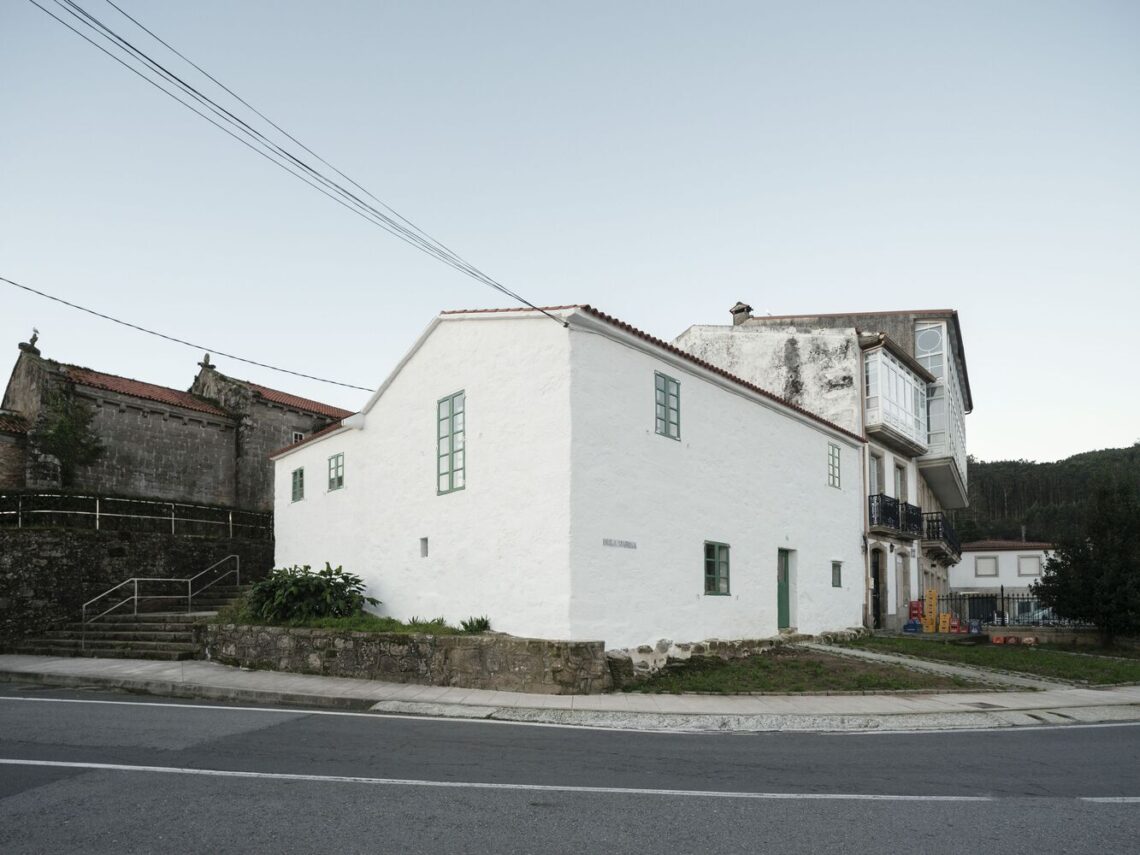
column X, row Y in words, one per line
column 998, row 545
column 13, row 423
column 297, row 402
column 140, row 389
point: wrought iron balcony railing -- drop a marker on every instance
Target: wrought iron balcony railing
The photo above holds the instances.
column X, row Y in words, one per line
column 939, row 528
column 887, row 512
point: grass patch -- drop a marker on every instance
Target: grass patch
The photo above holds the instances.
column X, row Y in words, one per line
column 785, row 669
column 1041, row 662
column 236, row 613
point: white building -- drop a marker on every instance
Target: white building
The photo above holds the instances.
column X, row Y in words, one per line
column 576, row 478
column 900, row 379
column 990, row 565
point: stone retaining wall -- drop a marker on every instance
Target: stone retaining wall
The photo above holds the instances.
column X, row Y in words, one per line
column 469, row 661
column 47, row 574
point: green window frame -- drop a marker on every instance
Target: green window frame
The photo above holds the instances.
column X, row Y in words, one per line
column 716, row 569
column 298, row 484
column 451, row 451
column 667, row 405
column 833, row 465
column 837, row 574
column 336, row 471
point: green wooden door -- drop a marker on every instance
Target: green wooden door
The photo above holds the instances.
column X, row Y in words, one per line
column 783, row 615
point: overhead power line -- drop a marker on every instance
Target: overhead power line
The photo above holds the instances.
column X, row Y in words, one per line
column 176, row 87
column 200, row 347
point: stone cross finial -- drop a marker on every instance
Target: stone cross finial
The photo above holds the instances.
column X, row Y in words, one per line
column 205, row 363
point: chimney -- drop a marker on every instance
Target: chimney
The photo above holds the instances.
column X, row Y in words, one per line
column 741, row 312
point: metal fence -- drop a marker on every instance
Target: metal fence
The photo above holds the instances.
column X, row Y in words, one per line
column 1003, row 609
column 109, row 513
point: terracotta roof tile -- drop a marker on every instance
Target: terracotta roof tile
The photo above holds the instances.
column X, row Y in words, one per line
column 1004, row 546
column 298, row 403
column 12, row 423
column 139, row 389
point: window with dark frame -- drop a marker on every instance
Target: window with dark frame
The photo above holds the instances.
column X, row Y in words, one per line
column 837, row 574
column 667, row 397
column 298, row 484
column 716, row 568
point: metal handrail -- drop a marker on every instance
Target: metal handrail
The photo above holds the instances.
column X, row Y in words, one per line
column 135, row 596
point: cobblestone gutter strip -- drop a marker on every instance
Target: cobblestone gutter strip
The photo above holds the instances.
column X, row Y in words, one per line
column 977, row 673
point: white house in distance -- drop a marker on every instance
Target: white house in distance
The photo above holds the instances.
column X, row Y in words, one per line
column 900, row 379
column 989, row 565
column 572, row 477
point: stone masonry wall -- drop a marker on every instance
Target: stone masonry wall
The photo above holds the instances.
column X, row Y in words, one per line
column 46, row 575
column 160, row 452
column 12, row 461
column 469, row 661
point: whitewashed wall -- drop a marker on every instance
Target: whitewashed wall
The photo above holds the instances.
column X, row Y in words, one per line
column 498, row 547
column 963, row 575
column 742, row 474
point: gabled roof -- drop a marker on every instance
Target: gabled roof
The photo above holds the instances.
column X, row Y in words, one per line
column 12, row 423
column 1005, row 546
column 296, row 402
column 138, row 389
column 676, row 351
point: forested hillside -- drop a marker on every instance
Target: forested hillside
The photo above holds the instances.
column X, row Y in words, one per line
column 1047, row 498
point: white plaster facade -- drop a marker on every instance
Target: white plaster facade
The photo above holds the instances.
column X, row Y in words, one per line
column 578, row 520
column 987, row 566
column 848, row 369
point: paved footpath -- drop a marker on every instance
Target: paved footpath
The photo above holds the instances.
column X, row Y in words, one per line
column 633, row 710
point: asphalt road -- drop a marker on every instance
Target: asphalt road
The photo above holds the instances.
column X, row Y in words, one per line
column 100, row 772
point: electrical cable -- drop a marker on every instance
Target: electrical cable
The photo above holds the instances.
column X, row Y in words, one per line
column 181, row 341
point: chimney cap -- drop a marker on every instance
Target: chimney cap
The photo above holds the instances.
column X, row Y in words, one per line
column 740, row 313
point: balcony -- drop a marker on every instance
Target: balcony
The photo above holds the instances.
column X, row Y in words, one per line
column 939, row 540
column 894, row 518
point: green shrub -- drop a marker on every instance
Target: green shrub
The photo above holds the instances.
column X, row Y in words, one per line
column 476, row 624
column 299, row 593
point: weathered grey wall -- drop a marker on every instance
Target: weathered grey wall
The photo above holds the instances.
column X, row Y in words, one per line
column 816, row 370
column 262, row 428
column 12, row 461
column 24, row 392
column 47, row 574
column 469, row 661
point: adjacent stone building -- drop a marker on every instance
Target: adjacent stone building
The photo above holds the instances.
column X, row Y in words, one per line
column 208, row 445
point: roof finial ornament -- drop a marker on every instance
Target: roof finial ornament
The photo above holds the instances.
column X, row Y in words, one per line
column 29, row 346
column 35, row 337
column 205, row 363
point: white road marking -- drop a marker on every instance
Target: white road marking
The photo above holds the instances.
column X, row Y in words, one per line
column 479, row 785
column 1002, row 728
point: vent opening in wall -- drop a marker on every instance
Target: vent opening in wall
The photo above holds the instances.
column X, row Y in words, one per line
column 423, row 547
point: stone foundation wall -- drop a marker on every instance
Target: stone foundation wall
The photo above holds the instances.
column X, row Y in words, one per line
column 47, row 574
column 468, row 661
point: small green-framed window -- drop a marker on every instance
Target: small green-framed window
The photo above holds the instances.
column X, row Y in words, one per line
column 667, row 401
column 716, row 568
column 837, row 574
column 451, row 451
column 298, row 484
column 336, row 471
column 832, row 465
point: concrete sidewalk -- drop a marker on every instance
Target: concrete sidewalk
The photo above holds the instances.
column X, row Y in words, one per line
column 634, row 711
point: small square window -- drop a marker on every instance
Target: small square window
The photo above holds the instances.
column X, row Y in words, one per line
column 985, row 565
column 336, row 471
column 298, row 436
column 716, row 568
column 832, row 465
column 837, row 574
column 667, row 405
column 1028, row 565
column 298, row 484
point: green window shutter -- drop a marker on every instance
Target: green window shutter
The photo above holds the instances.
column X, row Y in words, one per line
column 667, row 405
column 451, row 450
column 836, row 574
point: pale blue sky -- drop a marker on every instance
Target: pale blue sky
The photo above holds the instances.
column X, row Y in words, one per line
column 660, row 161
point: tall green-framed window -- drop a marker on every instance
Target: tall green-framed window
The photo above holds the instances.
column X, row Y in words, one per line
column 832, row 465
column 451, row 456
column 298, row 484
column 667, row 397
column 336, row 471
column 716, row 567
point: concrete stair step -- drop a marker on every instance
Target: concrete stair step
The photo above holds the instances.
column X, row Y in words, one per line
column 157, row 617
column 122, row 635
column 110, row 653
column 109, row 644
